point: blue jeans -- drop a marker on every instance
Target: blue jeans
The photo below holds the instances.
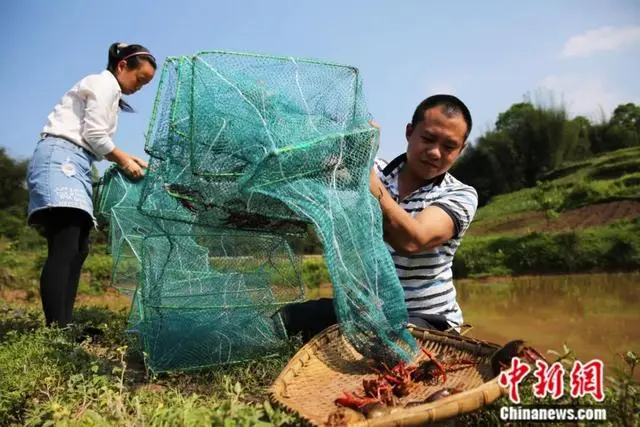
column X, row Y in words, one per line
column 59, row 175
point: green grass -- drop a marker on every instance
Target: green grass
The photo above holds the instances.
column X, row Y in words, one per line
column 20, row 269
column 609, row 176
column 49, row 378
column 507, row 204
column 628, row 158
column 610, row 248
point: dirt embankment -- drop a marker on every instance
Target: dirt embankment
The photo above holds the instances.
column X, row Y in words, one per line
column 585, row 217
column 111, row 299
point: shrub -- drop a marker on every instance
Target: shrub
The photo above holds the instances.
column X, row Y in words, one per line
column 314, row 272
column 612, row 248
column 99, row 269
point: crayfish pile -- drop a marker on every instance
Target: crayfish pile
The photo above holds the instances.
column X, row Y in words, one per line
column 381, row 394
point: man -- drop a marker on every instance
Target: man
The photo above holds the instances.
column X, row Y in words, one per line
column 426, row 212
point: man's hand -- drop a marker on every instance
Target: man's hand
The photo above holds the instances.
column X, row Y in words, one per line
column 375, row 185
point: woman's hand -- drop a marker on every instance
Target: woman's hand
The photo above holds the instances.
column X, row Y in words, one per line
column 133, row 166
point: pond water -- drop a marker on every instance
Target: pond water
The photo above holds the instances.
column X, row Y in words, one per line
column 595, row 315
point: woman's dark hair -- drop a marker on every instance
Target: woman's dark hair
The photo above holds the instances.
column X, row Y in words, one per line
column 132, row 54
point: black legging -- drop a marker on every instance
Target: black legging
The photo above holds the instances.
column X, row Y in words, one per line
column 67, row 232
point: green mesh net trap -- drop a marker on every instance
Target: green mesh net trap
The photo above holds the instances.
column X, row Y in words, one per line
column 247, row 153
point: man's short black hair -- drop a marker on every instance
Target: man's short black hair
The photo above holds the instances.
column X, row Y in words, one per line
column 448, row 102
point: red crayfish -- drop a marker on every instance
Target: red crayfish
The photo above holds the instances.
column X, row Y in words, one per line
column 398, row 381
column 501, row 359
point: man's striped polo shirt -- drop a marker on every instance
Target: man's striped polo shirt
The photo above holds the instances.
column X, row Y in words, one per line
column 427, row 277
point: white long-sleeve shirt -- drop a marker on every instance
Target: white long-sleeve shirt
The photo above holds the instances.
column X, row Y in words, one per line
column 87, row 114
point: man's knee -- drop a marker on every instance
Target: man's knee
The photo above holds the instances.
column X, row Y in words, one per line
column 309, row 317
column 434, row 321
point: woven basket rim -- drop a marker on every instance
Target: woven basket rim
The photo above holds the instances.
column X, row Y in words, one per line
column 454, row 405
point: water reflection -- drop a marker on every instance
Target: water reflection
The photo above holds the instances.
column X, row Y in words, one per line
column 596, row 315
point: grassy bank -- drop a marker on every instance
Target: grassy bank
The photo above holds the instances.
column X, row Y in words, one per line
column 613, row 248
column 51, row 377
column 610, row 248
column 101, row 382
column 609, row 176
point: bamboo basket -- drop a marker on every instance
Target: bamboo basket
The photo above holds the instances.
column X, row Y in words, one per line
column 328, row 365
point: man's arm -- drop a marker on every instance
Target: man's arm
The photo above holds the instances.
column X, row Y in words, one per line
column 405, row 234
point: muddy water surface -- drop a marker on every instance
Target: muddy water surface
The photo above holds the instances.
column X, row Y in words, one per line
column 596, row 316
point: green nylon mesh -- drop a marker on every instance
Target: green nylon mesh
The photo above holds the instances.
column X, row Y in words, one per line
column 246, row 151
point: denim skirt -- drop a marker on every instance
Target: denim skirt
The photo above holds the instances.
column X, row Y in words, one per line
column 59, row 175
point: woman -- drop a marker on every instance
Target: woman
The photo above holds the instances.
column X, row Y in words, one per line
column 79, row 132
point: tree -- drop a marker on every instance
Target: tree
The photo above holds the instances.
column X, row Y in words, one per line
column 627, row 116
column 529, row 141
column 549, row 199
column 14, row 196
column 492, row 166
column 582, row 148
column 542, row 136
column 621, row 131
column 13, row 190
column 515, row 118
